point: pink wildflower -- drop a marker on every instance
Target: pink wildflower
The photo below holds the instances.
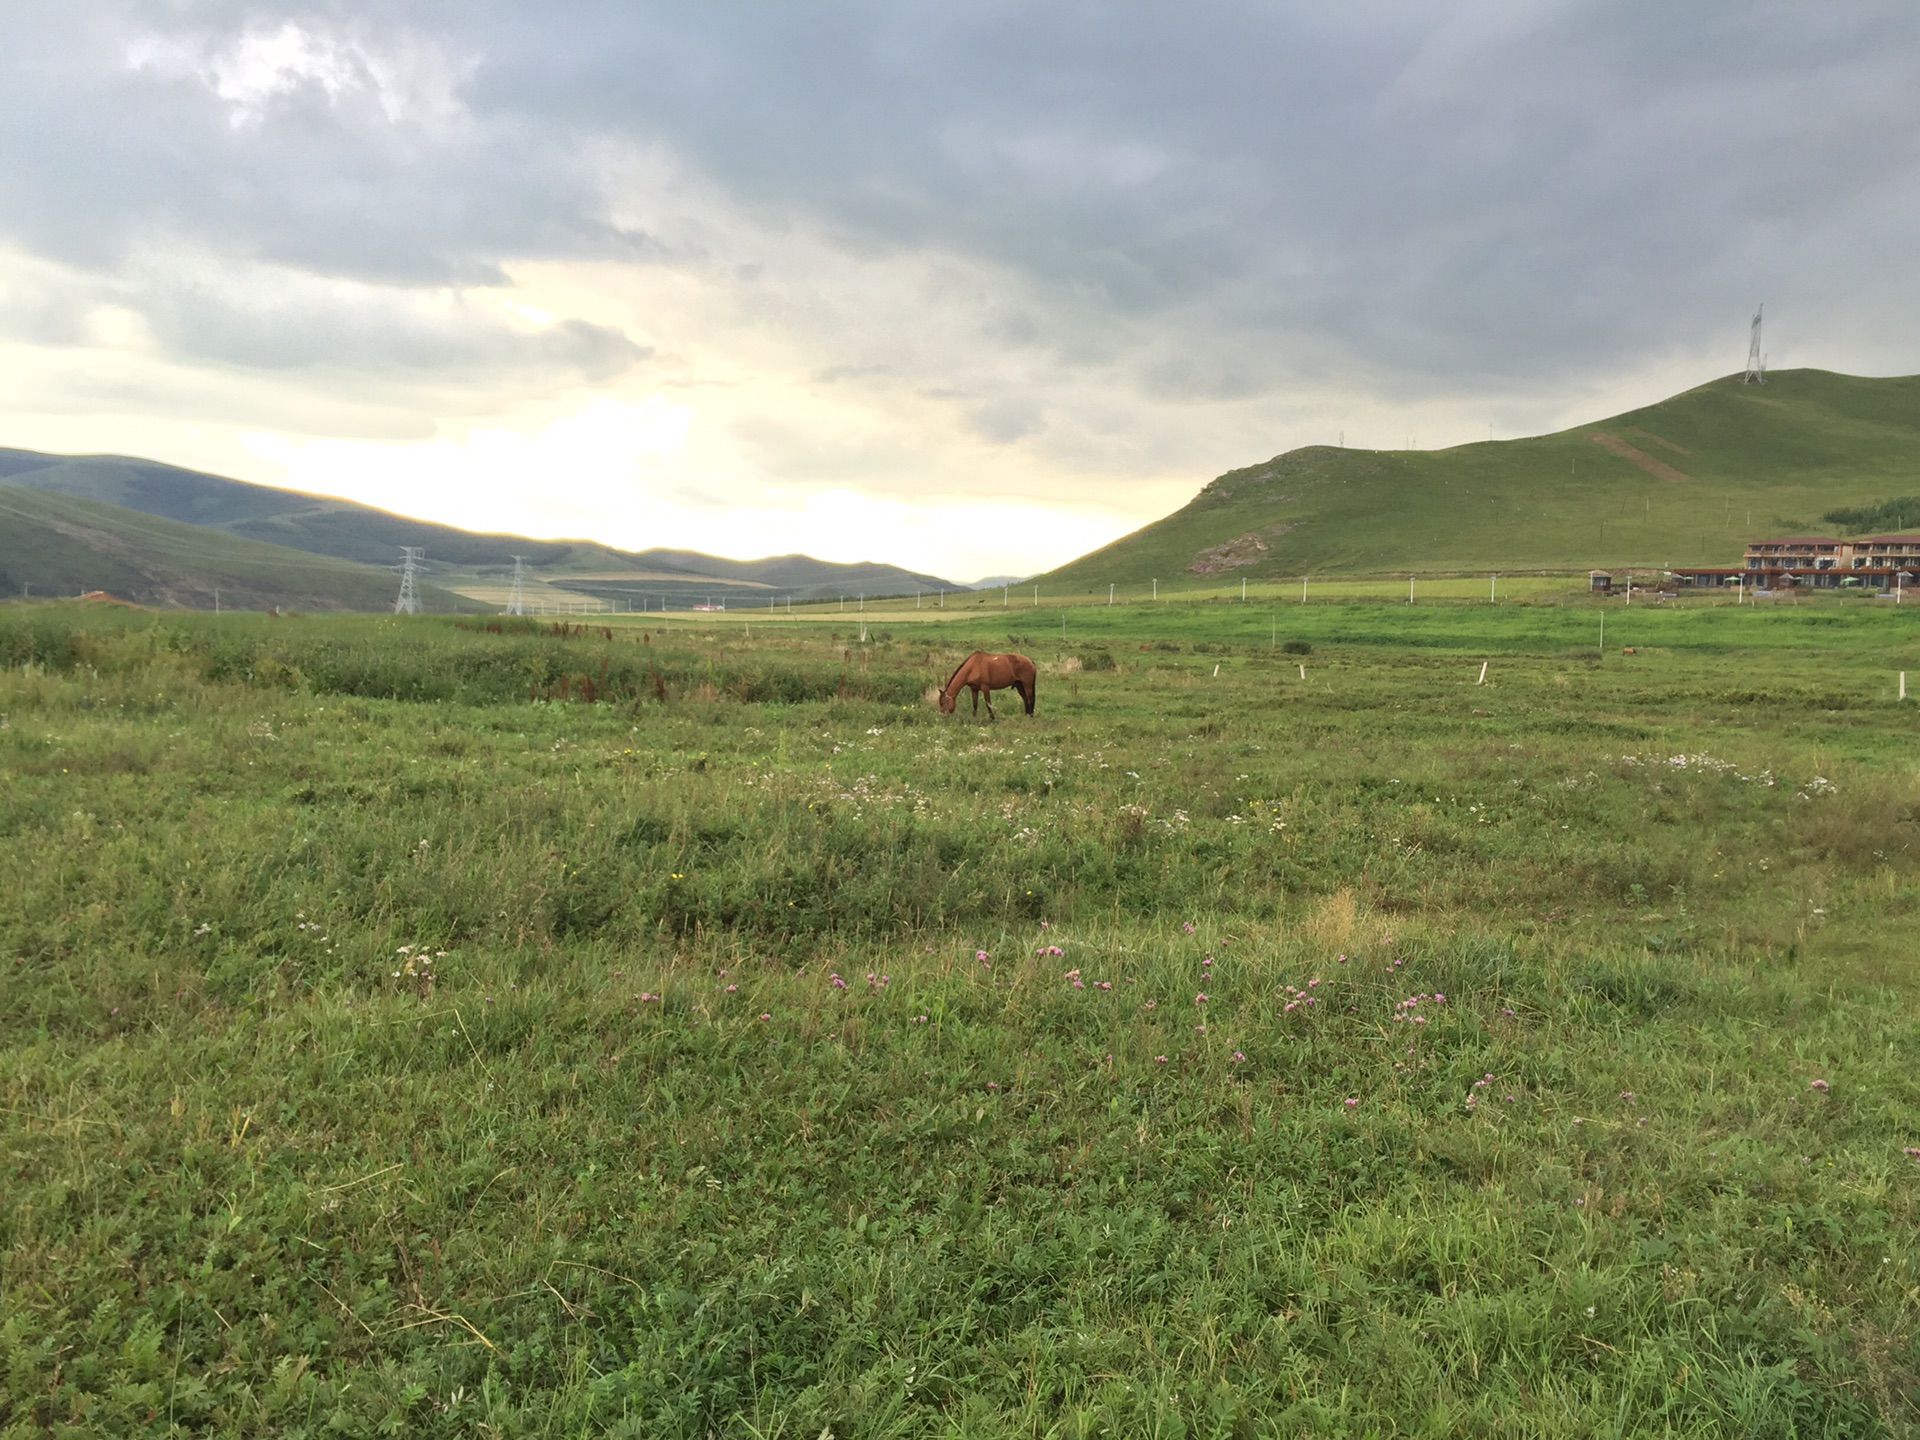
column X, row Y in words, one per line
column 1822, row 1086
column 1159, row 1059
column 982, row 957
column 1201, row 998
column 766, row 1015
column 1353, row 1102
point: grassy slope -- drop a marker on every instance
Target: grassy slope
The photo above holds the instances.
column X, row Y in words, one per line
column 349, row 531
column 1756, row 460
column 58, row 545
column 260, row 1184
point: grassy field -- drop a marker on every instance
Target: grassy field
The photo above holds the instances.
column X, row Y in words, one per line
column 1274, row 600
column 1685, row 482
column 393, row 1043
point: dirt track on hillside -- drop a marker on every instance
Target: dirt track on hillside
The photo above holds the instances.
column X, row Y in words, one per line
column 1660, row 440
column 1659, row 469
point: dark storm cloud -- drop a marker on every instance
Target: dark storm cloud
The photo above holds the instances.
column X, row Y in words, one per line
column 1202, row 202
column 1481, row 189
column 118, row 140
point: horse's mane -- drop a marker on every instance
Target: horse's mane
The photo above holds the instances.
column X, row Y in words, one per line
column 956, row 674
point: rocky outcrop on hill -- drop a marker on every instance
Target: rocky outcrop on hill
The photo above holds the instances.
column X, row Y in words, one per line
column 1235, row 554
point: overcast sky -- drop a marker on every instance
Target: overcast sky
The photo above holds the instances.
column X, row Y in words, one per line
column 969, row 287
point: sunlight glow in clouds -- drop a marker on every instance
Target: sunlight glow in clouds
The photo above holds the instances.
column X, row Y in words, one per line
column 613, row 473
column 252, row 70
column 585, row 471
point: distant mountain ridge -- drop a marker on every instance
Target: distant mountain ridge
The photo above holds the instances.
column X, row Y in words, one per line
column 56, row 545
column 344, row 530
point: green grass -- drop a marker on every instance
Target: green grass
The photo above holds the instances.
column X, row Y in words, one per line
column 1745, row 461
column 260, row 1184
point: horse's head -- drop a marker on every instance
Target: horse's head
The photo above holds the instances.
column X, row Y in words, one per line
column 948, row 699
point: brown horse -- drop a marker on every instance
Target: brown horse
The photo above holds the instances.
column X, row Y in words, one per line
column 983, row 674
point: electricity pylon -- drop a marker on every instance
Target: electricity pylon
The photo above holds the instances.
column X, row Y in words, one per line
column 409, row 601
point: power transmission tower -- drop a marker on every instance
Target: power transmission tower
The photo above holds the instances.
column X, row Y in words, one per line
column 1756, row 363
column 517, row 601
column 409, row 601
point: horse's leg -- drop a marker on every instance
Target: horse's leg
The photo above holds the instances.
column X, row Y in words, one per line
column 1027, row 694
column 990, row 714
column 975, row 690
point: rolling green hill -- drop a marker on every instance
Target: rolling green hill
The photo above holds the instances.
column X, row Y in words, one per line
column 1686, row 481
column 57, row 545
column 477, row 563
